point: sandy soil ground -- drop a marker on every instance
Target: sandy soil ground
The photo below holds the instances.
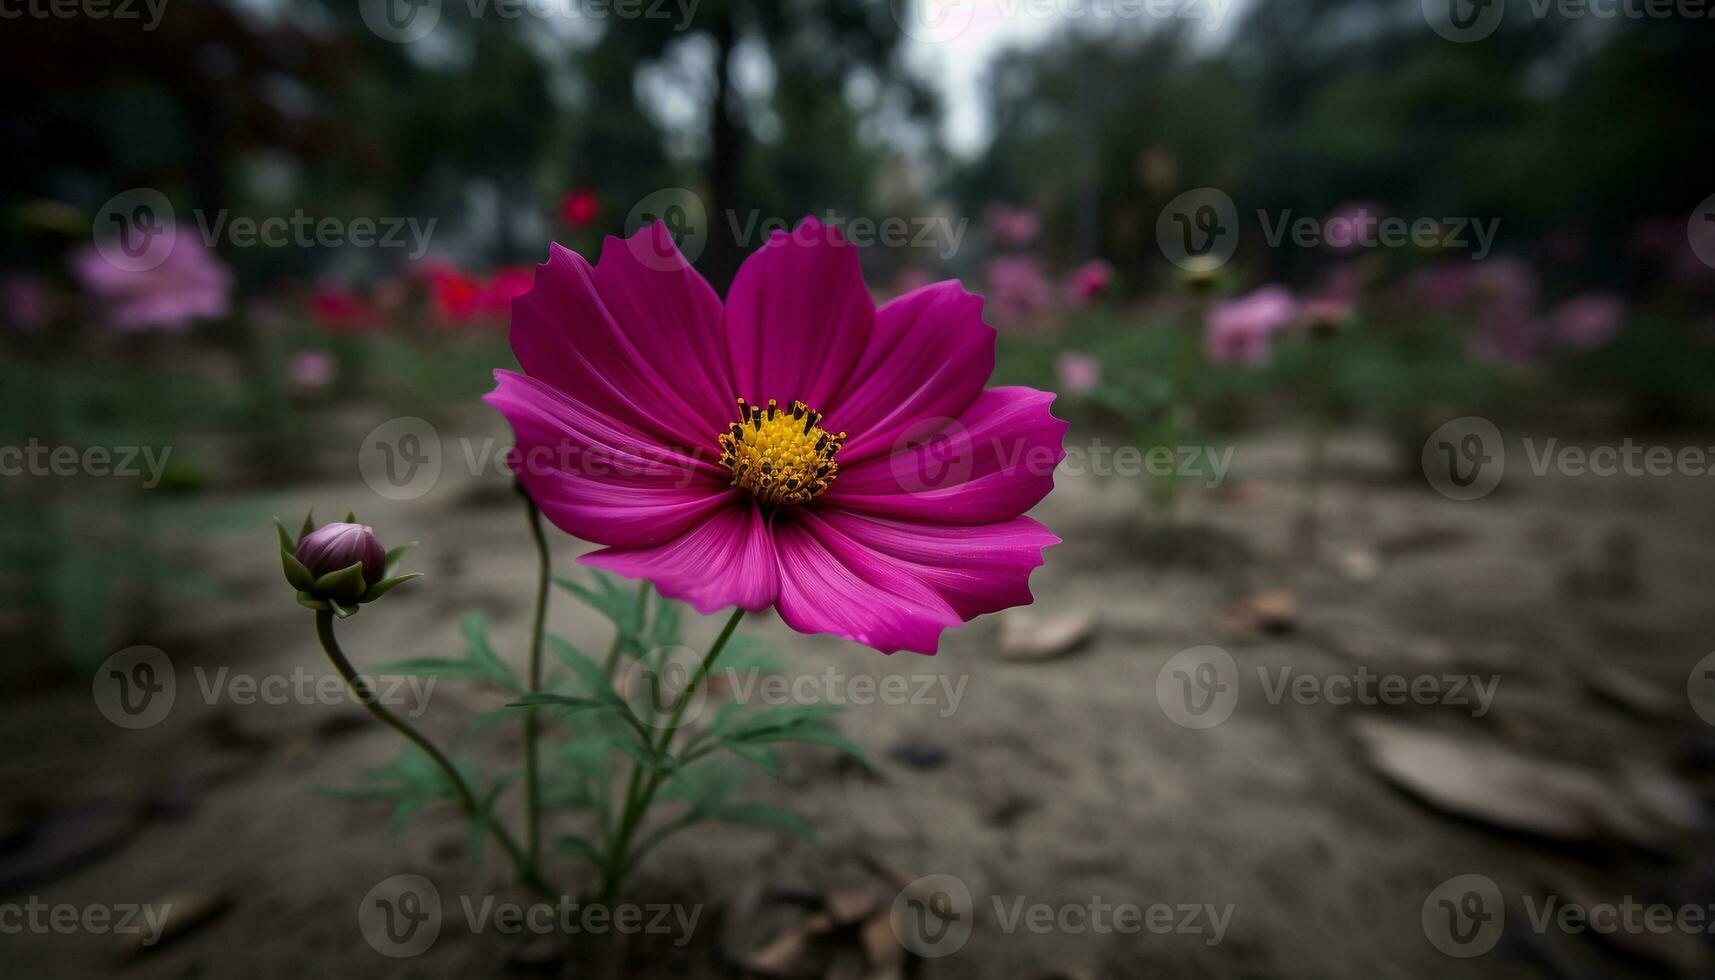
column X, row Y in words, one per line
column 1062, row 781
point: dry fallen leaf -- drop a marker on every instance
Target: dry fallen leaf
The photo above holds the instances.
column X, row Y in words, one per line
column 1486, row 781
column 1030, row 636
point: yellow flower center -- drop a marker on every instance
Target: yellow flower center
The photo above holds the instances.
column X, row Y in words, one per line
column 781, row 457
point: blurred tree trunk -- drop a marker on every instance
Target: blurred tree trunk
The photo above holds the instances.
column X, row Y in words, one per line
column 726, row 152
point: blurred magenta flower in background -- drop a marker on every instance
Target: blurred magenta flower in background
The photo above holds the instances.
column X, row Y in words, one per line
column 866, row 484
column 458, row 298
column 1079, row 372
column 579, row 208
column 1088, row 282
column 1242, row 330
column 25, row 302
column 1587, row 321
column 1018, row 288
column 190, row 284
column 1010, row 226
column 342, row 310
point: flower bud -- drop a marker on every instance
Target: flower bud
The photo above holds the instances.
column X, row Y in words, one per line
column 339, row 566
column 332, row 547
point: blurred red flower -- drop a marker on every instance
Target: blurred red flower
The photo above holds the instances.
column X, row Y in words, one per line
column 579, row 208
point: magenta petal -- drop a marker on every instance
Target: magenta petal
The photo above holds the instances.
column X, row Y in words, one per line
column 976, row 570
column 564, row 332
column 673, row 316
column 993, row 463
column 930, row 355
column 798, row 318
column 598, row 478
column 727, row 560
column 830, row 583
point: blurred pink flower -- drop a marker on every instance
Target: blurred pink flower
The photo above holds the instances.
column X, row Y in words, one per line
column 1351, row 226
column 25, row 299
column 1462, row 285
column 1588, row 321
column 1018, row 288
column 312, row 369
column 1079, row 372
column 910, row 278
column 1088, row 281
column 1242, row 330
column 190, row 284
column 1012, row 227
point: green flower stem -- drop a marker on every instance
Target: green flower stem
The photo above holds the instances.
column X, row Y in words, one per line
column 532, row 724
column 527, row 873
column 619, row 635
column 637, row 803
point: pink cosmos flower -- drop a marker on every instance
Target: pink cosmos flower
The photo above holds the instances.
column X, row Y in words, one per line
column 191, row 283
column 1018, row 288
column 1588, row 321
column 1079, row 372
column 1088, row 281
column 1242, row 330
column 1012, row 227
column 1508, row 333
column 311, row 370
column 795, row 448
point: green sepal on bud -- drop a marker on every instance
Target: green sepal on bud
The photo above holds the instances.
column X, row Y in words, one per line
column 338, row 567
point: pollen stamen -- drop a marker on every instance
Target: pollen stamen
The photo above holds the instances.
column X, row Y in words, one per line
column 777, row 459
